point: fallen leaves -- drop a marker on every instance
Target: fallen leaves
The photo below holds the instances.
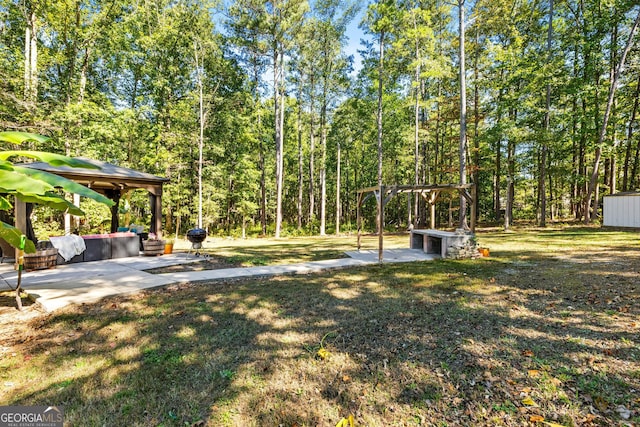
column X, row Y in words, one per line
column 533, row 373
column 346, row 422
column 323, row 353
column 540, row 419
column 600, row 403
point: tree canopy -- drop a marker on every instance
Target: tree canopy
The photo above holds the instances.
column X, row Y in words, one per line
column 255, row 108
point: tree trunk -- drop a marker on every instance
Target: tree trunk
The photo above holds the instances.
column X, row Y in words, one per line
column 416, row 131
column 476, row 123
column 542, row 191
column 582, row 158
column 463, row 115
column 312, row 150
column 278, row 103
column 83, row 74
column 632, row 121
column 338, row 183
column 201, row 134
column 497, row 177
column 30, row 59
column 575, row 152
column 636, row 165
column 380, row 213
column 263, row 184
column 300, row 163
column 323, row 183
column 511, row 152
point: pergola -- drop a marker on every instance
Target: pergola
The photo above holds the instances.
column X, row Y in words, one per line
column 110, row 180
column 384, row 193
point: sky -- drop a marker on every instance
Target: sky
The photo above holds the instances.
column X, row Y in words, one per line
column 355, row 34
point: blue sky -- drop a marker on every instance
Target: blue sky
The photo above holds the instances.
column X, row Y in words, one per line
column 355, row 34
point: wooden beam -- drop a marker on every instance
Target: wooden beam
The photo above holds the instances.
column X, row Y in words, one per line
column 380, row 201
column 432, row 208
column 474, row 209
column 358, row 218
column 156, row 213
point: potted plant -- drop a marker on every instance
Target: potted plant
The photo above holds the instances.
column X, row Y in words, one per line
column 153, row 246
column 168, row 246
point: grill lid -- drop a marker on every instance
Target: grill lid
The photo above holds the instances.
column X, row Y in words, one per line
column 196, row 235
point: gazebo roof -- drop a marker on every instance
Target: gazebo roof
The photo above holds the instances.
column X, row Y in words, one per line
column 107, row 177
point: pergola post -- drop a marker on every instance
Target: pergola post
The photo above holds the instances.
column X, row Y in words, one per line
column 380, row 201
column 474, row 208
column 433, row 196
column 467, row 196
column 358, row 218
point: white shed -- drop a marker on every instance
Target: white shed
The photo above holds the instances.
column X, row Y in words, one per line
column 622, row 210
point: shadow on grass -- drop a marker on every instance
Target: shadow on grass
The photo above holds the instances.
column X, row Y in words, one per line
column 454, row 342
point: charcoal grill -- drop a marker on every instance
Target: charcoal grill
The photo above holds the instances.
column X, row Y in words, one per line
column 196, row 236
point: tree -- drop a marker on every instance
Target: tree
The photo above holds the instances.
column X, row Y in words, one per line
column 463, row 111
column 332, row 77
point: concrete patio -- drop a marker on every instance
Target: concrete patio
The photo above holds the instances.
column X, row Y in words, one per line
column 91, row 281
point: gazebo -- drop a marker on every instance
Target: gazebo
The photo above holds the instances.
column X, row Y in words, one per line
column 108, row 179
column 384, row 193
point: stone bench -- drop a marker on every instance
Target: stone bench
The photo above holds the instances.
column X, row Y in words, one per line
column 438, row 242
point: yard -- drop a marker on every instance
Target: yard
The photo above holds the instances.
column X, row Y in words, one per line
column 546, row 331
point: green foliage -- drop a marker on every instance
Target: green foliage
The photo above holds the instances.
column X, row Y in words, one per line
column 118, row 82
column 38, row 187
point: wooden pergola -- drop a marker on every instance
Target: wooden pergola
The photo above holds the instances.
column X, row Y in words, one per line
column 110, row 180
column 384, row 193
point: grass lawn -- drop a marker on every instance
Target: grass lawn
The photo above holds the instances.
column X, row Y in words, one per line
column 546, row 331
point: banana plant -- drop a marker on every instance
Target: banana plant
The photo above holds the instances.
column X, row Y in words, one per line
column 34, row 186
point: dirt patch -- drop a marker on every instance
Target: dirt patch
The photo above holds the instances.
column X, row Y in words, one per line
column 206, row 263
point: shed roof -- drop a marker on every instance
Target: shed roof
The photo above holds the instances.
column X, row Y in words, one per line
column 624, row 193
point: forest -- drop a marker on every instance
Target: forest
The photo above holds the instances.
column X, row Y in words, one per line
column 265, row 125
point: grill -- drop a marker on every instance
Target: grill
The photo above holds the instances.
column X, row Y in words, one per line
column 196, row 236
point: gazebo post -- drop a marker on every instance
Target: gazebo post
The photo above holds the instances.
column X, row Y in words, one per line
column 155, row 200
column 115, row 219
column 72, row 222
